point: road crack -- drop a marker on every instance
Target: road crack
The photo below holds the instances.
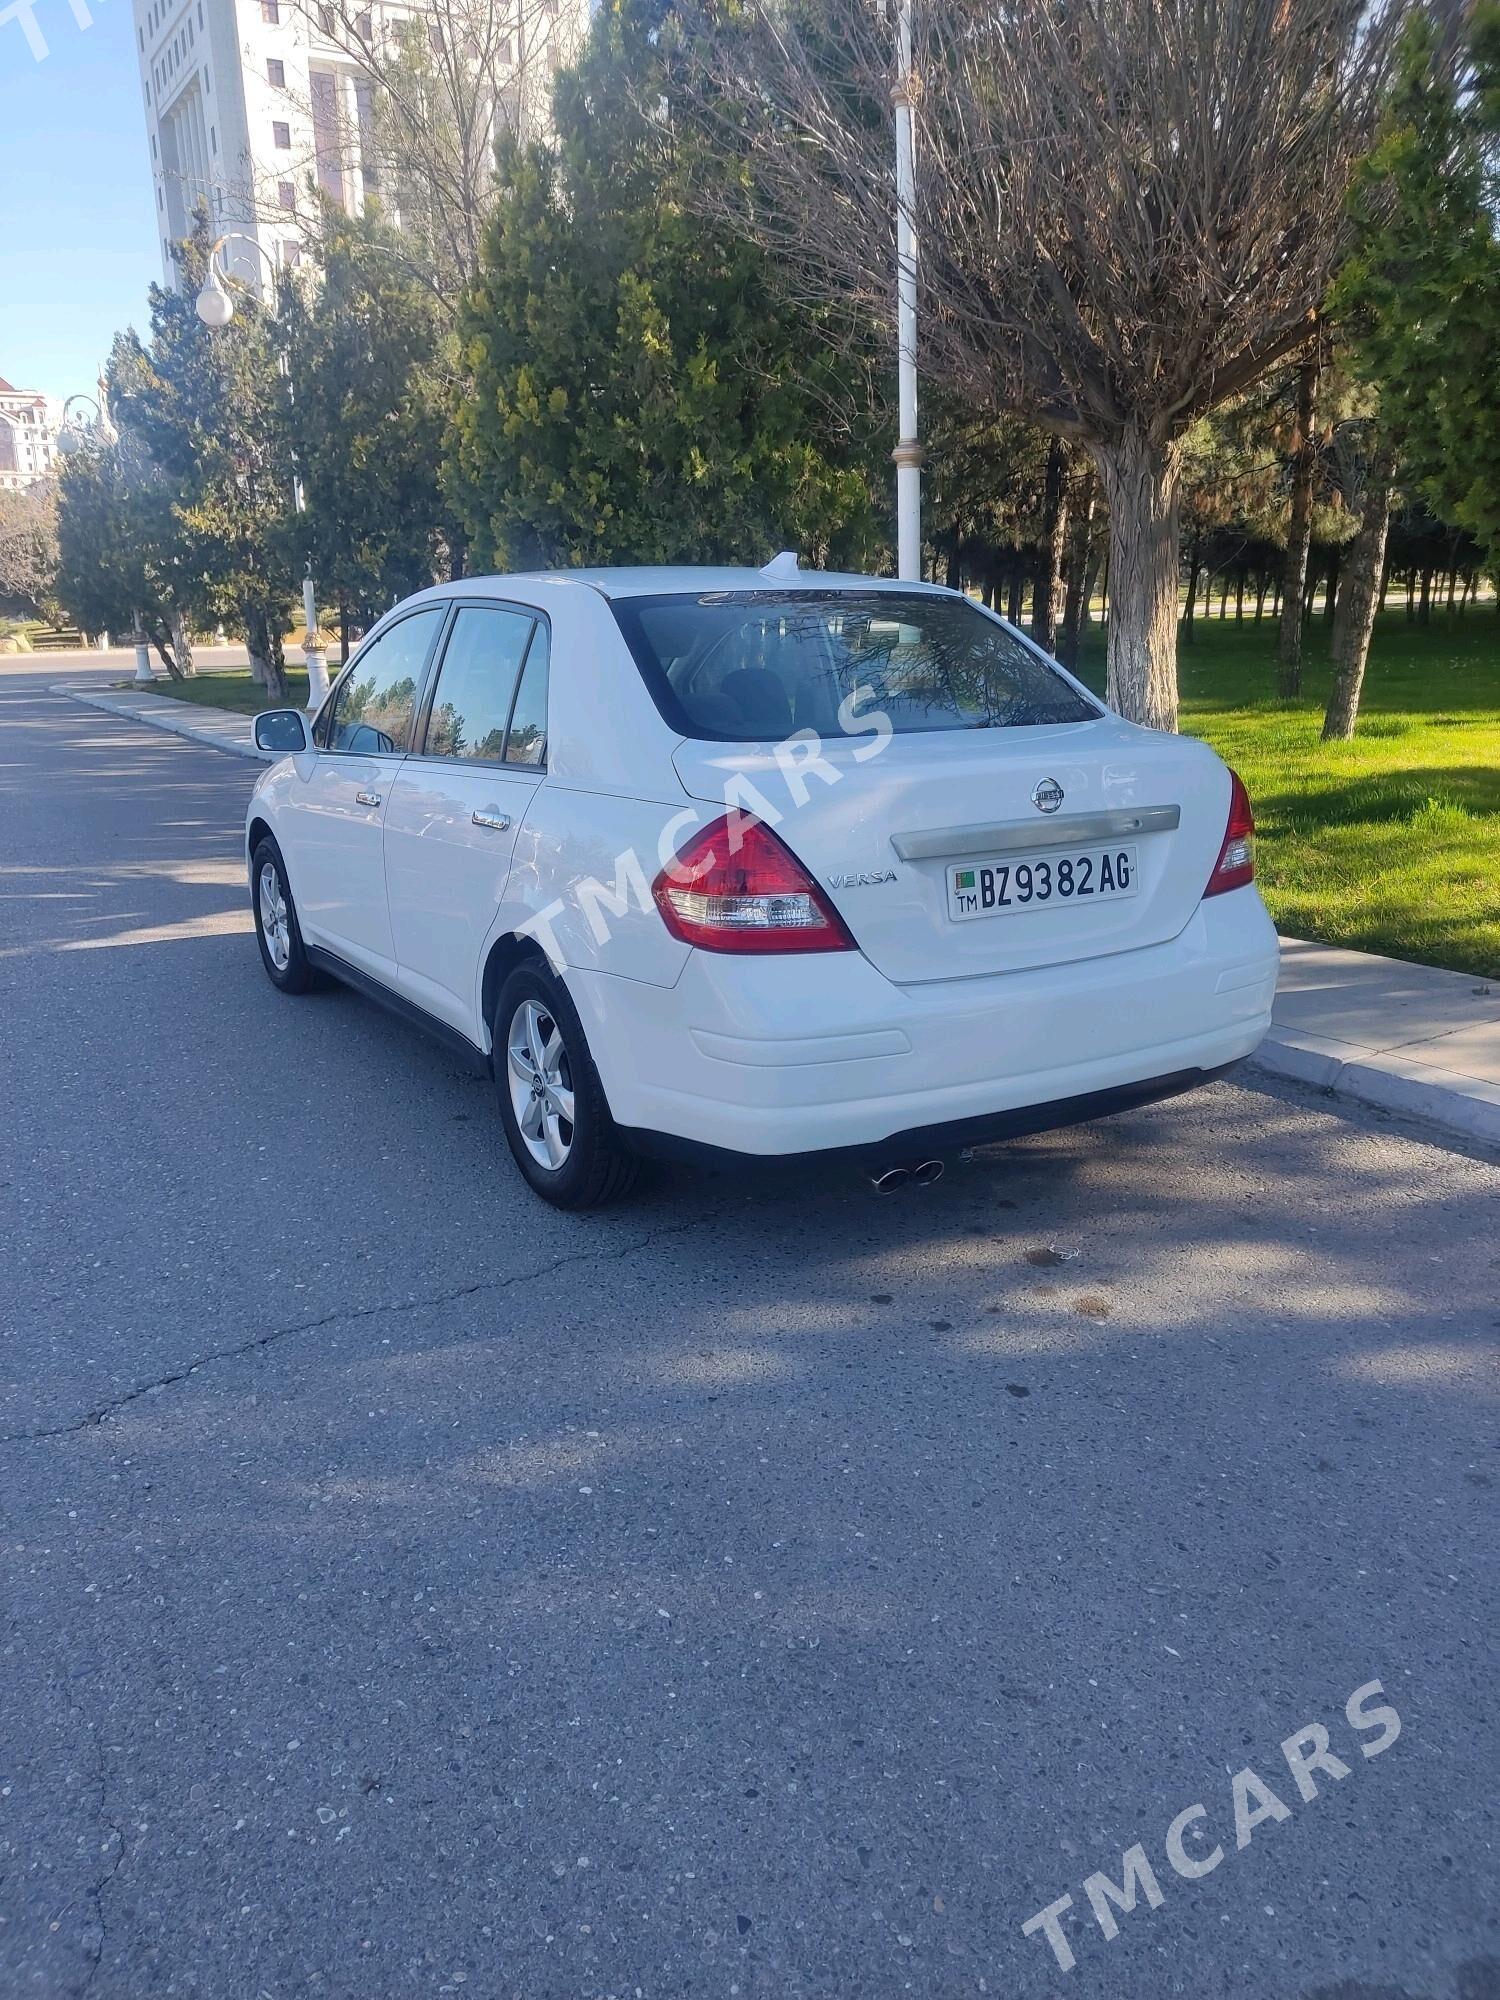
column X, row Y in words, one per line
column 351, row 1316
column 114, row 1846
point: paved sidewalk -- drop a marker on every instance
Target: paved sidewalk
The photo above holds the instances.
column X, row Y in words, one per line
column 1404, row 1038
column 223, row 728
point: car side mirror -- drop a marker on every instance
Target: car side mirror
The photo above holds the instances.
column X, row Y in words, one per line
column 282, row 730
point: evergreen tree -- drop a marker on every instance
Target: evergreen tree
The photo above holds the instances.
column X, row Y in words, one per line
column 120, row 564
column 1422, row 291
column 371, row 375
column 641, row 393
column 210, row 408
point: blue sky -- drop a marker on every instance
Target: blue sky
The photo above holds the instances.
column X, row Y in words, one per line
column 79, row 229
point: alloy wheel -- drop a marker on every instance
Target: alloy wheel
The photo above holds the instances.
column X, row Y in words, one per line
column 274, row 925
column 541, row 1084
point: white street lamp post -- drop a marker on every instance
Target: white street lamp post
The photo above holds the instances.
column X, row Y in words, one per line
column 143, row 674
column 908, row 452
column 216, row 309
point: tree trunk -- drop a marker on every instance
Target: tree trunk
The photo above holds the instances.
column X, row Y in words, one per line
column 955, row 573
column 1452, row 588
column 1335, row 572
column 263, row 642
column 1424, row 602
column 1195, row 570
column 1360, row 597
column 1223, row 595
column 1080, row 535
column 1260, row 598
column 1239, row 597
column 1141, row 481
column 1047, row 588
column 160, row 635
column 1017, row 591
column 1299, row 532
column 1096, row 577
column 182, row 645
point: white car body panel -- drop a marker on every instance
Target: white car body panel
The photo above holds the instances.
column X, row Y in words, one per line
column 803, row 1054
column 446, row 875
column 341, row 896
column 961, row 779
column 929, row 1021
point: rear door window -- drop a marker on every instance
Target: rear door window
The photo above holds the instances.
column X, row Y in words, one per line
column 526, row 742
column 476, row 684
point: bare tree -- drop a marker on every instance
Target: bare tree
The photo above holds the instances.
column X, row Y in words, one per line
column 1299, row 528
column 1360, row 597
column 1078, row 566
column 1048, row 589
column 1128, row 210
column 434, row 92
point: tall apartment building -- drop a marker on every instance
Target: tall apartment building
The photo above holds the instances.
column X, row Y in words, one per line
column 249, row 101
column 28, row 437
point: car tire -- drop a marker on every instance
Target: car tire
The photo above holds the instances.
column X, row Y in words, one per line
column 542, row 1065
column 277, row 930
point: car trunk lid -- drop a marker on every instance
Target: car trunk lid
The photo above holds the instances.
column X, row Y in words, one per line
column 883, row 833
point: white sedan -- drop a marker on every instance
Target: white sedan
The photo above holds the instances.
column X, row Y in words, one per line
column 758, row 862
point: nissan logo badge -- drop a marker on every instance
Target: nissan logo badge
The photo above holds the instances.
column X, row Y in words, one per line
column 1047, row 796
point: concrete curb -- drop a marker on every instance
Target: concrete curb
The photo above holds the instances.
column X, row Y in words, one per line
column 1463, row 1105
column 128, row 708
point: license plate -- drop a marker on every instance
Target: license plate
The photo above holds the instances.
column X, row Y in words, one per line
column 1040, row 882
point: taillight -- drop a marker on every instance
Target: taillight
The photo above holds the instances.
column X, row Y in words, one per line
column 1236, row 863
column 736, row 887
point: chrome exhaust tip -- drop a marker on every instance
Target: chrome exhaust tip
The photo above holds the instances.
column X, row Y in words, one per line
column 926, row 1172
column 890, row 1179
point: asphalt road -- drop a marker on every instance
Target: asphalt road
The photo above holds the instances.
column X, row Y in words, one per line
column 763, row 1589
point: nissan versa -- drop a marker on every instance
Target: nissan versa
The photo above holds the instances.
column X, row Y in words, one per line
column 758, row 862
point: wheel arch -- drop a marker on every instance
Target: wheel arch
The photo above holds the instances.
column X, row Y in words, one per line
column 505, row 954
column 258, row 830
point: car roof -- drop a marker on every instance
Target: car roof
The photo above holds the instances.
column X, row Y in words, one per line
column 651, row 580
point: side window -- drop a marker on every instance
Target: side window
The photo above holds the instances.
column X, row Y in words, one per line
column 475, row 684
column 372, row 711
column 527, row 741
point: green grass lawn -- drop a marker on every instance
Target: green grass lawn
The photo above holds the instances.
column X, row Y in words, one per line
column 233, row 689
column 1390, row 843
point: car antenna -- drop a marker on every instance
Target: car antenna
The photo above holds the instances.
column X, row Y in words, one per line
column 782, row 566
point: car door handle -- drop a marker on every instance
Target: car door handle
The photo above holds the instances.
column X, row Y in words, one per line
column 496, row 822
column 367, row 798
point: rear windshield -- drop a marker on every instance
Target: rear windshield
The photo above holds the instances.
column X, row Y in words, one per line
column 753, row 666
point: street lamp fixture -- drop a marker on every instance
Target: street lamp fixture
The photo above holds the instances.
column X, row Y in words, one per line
column 215, row 307
column 70, row 438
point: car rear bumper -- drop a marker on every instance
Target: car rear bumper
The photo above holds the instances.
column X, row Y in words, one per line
column 821, row 1053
